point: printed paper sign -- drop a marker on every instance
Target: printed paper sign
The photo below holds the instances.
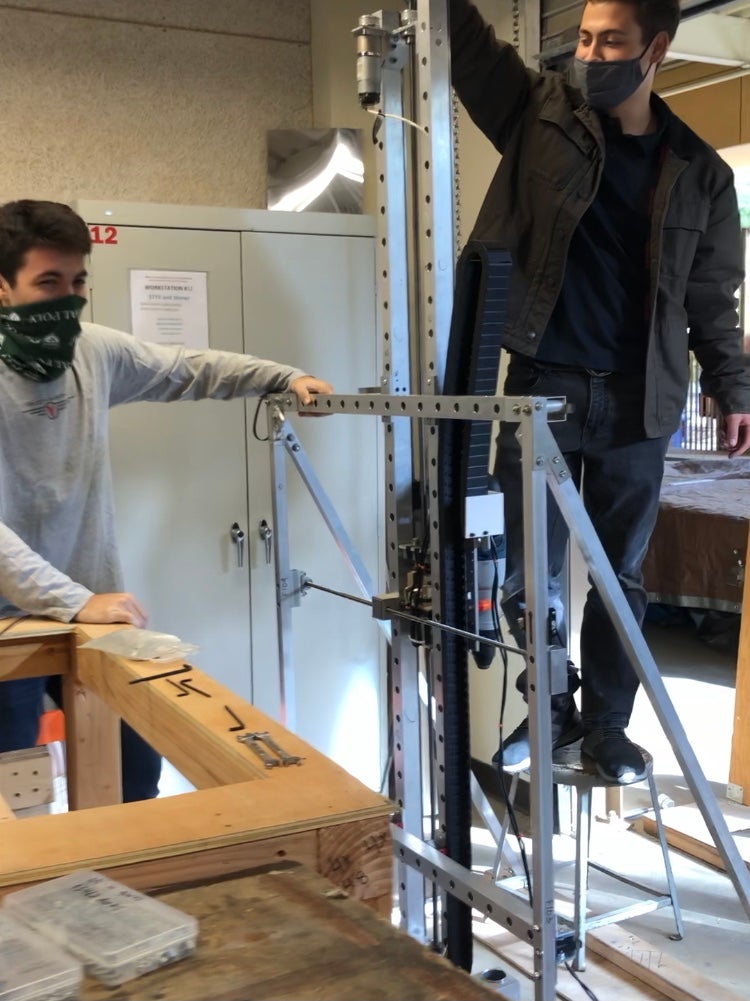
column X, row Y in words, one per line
column 170, row 307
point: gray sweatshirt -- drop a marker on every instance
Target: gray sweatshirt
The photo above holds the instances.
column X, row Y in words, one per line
column 57, row 538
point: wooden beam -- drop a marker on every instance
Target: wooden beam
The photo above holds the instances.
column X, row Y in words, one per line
column 358, row 856
column 175, row 871
column 739, row 765
column 648, row 963
column 192, row 732
column 35, row 653
column 293, row 800
column 686, row 830
column 93, row 768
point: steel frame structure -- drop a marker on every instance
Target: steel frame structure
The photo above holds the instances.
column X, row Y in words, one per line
column 412, row 48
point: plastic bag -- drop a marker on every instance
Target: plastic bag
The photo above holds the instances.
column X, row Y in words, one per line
column 142, row 644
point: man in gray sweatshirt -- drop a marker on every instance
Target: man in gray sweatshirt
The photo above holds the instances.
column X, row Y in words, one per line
column 58, row 379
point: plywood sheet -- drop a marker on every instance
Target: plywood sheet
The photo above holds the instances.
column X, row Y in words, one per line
column 287, row 934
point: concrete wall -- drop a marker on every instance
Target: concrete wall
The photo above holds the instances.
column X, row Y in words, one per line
column 149, row 100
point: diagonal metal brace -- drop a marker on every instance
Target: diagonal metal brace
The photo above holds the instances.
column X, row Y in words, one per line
column 610, row 591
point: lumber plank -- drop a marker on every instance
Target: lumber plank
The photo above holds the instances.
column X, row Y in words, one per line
column 358, row 857
column 34, row 654
column 648, row 963
column 686, row 830
column 278, row 934
column 177, row 871
column 93, row 769
column 739, row 764
column 191, row 732
column 291, row 801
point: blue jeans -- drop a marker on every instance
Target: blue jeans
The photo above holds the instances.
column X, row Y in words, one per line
column 21, row 705
column 619, row 472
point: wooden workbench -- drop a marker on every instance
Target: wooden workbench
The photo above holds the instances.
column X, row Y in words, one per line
column 285, row 933
column 242, row 813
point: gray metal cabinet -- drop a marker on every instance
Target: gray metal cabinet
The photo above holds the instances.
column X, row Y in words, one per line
column 298, row 289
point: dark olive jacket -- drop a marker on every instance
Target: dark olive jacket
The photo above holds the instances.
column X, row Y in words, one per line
column 553, row 150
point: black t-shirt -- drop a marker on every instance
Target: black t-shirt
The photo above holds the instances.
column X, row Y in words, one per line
column 600, row 318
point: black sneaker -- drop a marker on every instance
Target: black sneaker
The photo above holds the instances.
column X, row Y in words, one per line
column 617, row 759
column 515, row 753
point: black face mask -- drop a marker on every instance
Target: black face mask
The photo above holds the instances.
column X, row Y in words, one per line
column 606, row 83
column 38, row 340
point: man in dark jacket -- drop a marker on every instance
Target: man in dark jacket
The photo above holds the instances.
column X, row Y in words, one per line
column 627, row 251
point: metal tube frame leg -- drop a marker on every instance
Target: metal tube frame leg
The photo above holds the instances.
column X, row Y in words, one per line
column 504, row 828
column 680, row 932
column 583, row 838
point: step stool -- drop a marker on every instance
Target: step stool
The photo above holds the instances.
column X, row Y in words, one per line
column 570, row 769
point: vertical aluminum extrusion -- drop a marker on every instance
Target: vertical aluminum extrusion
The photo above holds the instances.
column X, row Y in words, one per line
column 532, row 427
column 395, row 336
column 285, row 598
column 436, row 255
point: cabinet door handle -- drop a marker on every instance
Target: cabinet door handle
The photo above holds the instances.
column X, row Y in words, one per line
column 266, row 533
column 238, row 538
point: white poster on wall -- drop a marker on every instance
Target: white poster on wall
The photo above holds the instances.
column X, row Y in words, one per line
column 170, row 307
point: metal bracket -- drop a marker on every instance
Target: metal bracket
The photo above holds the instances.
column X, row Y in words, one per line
column 294, row 587
column 262, row 743
column 384, row 605
column 735, row 792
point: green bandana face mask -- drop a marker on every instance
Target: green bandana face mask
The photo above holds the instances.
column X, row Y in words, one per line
column 38, row 340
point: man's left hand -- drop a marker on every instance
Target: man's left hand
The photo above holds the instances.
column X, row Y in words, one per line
column 306, row 385
column 734, row 433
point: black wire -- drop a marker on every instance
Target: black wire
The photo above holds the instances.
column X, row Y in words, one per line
column 257, row 437
column 587, row 990
column 503, row 699
column 508, row 805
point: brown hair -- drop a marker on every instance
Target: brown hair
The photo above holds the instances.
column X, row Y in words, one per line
column 27, row 224
column 653, row 16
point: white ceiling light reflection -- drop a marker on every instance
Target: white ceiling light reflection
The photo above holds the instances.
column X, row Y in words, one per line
column 320, row 170
column 343, row 163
